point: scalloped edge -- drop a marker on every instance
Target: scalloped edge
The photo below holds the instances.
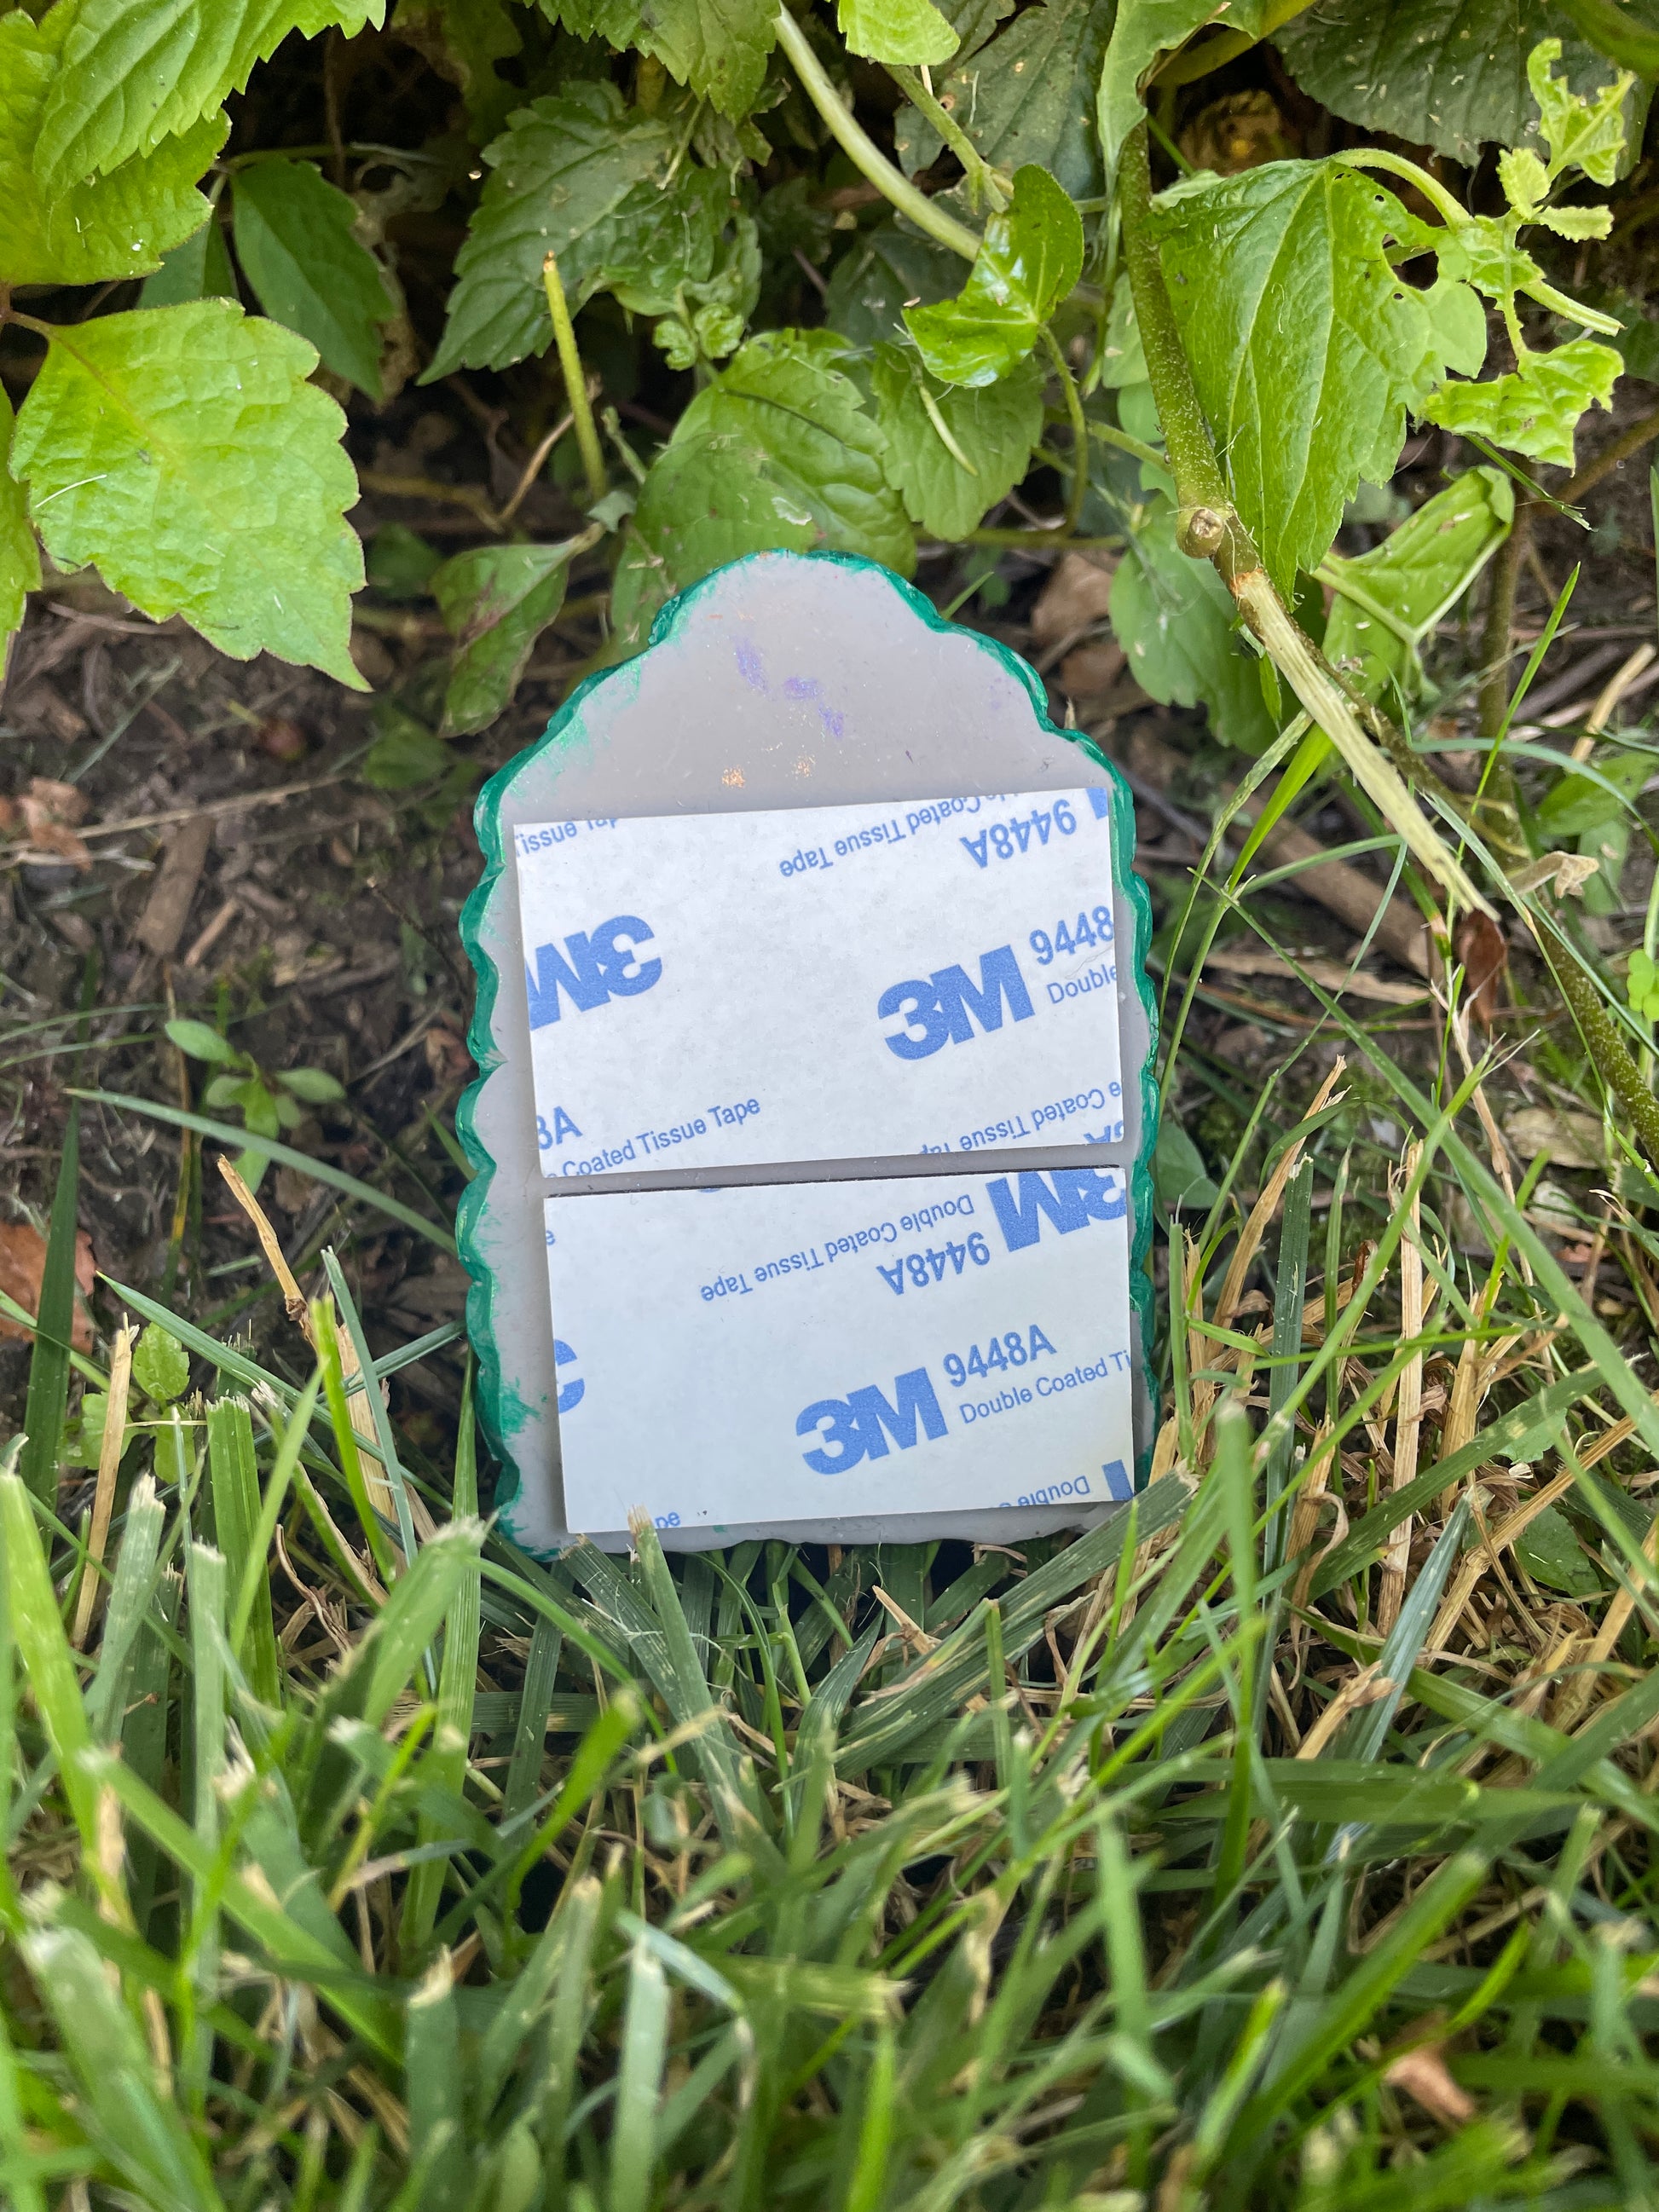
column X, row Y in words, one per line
column 486, row 818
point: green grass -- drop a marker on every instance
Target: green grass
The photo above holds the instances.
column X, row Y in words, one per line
column 1284, row 1841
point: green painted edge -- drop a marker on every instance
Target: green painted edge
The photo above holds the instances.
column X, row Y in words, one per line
column 492, row 1397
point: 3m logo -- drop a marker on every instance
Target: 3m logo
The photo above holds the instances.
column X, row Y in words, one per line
column 1071, row 1198
column 602, row 964
column 942, row 1009
column 857, row 1427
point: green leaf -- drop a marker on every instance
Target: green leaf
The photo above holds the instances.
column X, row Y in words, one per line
column 1142, row 30
column 496, row 601
column 1415, row 576
column 779, row 453
column 82, row 229
column 1609, row 27
column 136, row 72
column 1451, row 74
column 400, row 563
column 1579, row 803
column 1030, row 257
column 1642, row 984
column 297, row 241
column 666, row 252
column 198, row 270
column 314, row 1084
column 718, row 47
column 1027, row 96
column 1581, row 134
column 561, row 167
column 910, row 32
column 1175, row 620
column 1552, row 1555
column 223, row 1090
column 1179, row 1175
column 884, row 272
column 952, row 452
column 20, row 555
column 182, row 450
column 1307, row 349
column 1534, row 410
column 161, row 1366
column 198, row 1042
column 404, row 754
column 464, row 39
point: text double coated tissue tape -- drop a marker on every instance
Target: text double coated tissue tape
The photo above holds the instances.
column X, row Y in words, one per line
column 814, row 1099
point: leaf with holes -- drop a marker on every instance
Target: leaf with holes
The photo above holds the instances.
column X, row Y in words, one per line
column 1307, row 349
column 1536, row 409
column 296, row 242
column 779, row 453
column 953, row 452
column 1451, row 74
column 1030, row 257
column 496, row 601
column 1027, row 96
column 560, row 170
column 136, row 72
column 183, row 450
column 89, row 229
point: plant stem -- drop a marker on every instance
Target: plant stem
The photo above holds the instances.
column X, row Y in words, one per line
column 575, row 383
column 1606, row 1046
column 861, row 151
column 1209, row 527
column 1110, row 434
column 1079, row 434
column 981, row 178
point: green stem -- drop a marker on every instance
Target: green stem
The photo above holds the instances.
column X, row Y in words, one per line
column 1606, row 1046
column 981, row 178
column 861, row 151
column 575, row 382
column 1079, row 434
column 1110, row 434
column 1450, row 209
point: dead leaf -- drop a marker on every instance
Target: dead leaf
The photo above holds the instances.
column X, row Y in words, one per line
column 1422, row 2074
column 447, row 1054
column 1568, row 872
column 282, row 738
column 1480, row 946
column 1088, row 671
column 1074, row 599
column 22, row 1264
column 48, row 801
column 1568, row 1140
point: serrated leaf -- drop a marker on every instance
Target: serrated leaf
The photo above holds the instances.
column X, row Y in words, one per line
column 1524, row 178
column 1587, row 134
column 20, row 554
column 297, row 246
column 1028, row 96
column 198, row 270
column 496, row 601
column 718, row 47
column 1175, row 620
column 136, row 72
column 1450, row 74
column 160, row 1365
column 1577, row 222
column 666, row 253
column 881, row 272
column 1030, row 257
column 1483, row 252
column 780, row 452
column 1142, row 30
column 933, row 429
column 182, row 450
column 1400, row 589
column 562, row 167
column 912, row 33
column 86, row 230
column 1534, row 410
column 1306, row 348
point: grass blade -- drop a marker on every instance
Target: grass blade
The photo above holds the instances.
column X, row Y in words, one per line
column 48, row 1388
